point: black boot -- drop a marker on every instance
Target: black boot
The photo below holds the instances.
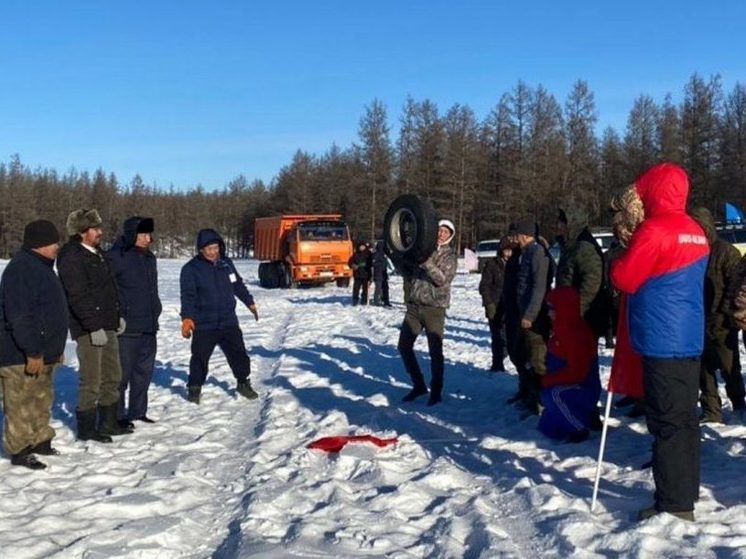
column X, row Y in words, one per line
column 107, row 421
column 45, row 449
column 126, row 424
column 245, row 390
column 416, row 392
column 87, row 427
column 194, row 392
column 27, row 460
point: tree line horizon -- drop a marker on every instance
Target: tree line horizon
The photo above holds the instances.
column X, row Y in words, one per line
column 529, row 156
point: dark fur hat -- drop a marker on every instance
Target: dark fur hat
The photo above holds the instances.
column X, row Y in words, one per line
column 81, row 220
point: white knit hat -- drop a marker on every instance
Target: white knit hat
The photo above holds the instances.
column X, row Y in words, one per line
column 448, row 224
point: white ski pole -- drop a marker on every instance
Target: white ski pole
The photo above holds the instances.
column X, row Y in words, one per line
column 601, row 450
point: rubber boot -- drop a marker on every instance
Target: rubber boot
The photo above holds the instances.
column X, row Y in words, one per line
column 107, row 421
column 87, row 427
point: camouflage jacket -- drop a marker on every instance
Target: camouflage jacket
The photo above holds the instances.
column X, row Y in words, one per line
column 737, row 295
column 431, row 284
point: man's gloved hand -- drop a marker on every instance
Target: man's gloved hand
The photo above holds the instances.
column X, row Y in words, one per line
column 252, row 309
column 34, row 365
column 187, row 327
column 122, row 326
column 490, row 311
column 98, row 338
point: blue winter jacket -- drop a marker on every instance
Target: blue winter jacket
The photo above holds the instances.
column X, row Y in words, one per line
column 209, row 290
column 33, row 310
column 136, row 276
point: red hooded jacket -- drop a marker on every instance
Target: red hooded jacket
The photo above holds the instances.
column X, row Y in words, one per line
column 573, row 347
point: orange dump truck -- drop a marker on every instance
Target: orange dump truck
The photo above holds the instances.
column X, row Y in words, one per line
column 302, row 249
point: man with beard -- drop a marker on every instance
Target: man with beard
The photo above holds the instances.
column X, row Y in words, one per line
column 95, row 323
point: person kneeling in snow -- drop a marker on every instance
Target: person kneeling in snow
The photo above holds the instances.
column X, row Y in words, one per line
column 571, row 385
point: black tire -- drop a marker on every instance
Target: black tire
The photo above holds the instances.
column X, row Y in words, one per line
column 343, row 282
column 286, row 276
column 263, row 275
column 410, row 229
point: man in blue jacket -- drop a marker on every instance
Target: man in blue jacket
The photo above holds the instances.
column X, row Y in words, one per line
column 33, row 331
column 210, row 284
column 136, row 276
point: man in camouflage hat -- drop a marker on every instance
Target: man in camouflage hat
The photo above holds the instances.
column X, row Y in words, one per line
column 33, row 331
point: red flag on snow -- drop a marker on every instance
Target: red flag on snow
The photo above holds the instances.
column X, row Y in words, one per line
column 626, row 367
column 335, row 444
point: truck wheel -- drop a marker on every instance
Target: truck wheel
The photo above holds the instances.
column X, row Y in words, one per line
column 410, row 228
column 263, row 275
column 343, row 282
column 286, row 276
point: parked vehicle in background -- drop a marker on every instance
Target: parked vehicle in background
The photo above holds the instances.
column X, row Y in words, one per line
column 302, row 249
column 735, row 235
column 485, row 250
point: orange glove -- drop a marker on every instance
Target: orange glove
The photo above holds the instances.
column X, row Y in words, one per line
column 187, row 327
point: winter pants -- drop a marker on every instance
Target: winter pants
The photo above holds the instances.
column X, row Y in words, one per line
column 100, row 372
column 230, row 341
column 357, row 286
column 516, row 351
column 432, row 319
column 27, row 401
column 723, row 356
column 381, row 293
column 497, row 343
column 570, row 409
column 671, row 387
column 137, row 355
column 534, row 342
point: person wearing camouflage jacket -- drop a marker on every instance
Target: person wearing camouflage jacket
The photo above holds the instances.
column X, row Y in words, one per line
column 721, row 336
column 581, row 266
column 429, row 297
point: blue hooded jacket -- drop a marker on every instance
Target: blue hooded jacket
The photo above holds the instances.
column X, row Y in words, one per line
column 209, row 289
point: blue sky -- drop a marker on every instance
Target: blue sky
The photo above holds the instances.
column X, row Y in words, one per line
column 196, row 92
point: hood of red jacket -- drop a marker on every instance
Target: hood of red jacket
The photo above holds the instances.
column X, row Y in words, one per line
column 664, row 188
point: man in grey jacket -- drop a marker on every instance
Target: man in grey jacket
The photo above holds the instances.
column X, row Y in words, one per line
column 534, row 281
column 429, row 297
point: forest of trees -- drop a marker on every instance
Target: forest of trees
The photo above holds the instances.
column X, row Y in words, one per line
column 527, row 157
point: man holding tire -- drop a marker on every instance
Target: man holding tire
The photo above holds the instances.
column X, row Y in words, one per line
column 429, row 297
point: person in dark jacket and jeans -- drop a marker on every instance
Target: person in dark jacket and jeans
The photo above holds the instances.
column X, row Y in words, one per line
column 516, row 351
column 136, row 275
column 361, row 263
column 381, row 275
column 210, row 285
column 491, row 289
column 33, row 331
column 95, row 323
column 534, row 281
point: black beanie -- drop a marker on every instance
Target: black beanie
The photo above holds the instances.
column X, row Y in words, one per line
column 146, row 225
column 526, row 227
column 40, row 233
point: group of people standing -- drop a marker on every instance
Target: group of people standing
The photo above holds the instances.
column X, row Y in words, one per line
column 109, row 303
column 370, row 264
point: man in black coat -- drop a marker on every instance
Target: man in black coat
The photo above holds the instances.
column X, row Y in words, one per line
column 33, row 331
column 362, row 266
column 95, row 322
column 381, row 275
column 491, row 290
column 136, row 276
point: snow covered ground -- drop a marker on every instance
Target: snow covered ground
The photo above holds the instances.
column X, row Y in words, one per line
column 232, row 478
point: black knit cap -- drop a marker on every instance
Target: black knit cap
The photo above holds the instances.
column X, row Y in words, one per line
column 146, row 225
column 526, row 227
column 40, row 233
